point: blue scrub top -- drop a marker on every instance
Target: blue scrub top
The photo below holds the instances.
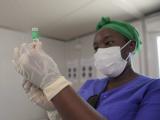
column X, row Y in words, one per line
column 138, row 99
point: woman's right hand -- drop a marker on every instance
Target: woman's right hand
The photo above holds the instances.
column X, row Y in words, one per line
column 37, row 96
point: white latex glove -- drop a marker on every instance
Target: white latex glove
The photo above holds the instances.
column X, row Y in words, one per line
column 35, row 65
column 37, row 96
column 54, row 115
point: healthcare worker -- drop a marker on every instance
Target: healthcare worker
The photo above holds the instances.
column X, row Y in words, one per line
column 122, row 95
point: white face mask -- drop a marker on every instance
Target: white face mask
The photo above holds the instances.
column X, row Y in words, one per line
column 109, row 61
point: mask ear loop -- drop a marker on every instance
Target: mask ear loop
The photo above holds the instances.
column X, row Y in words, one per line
column 130, row 54
column 126, row 44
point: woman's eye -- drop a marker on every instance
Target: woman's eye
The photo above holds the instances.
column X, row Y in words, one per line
column 109, row 43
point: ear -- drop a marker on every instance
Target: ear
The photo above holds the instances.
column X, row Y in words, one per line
column 132, row 46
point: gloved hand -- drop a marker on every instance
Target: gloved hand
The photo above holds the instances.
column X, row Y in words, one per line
column 54, row 115
column 37, row 96
column 35, row 65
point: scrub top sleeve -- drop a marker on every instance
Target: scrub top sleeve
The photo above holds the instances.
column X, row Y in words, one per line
column 150, row 106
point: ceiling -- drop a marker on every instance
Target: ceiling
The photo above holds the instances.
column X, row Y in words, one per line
column 68, row 19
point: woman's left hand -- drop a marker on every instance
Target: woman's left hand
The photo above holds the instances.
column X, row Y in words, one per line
column 35, row 65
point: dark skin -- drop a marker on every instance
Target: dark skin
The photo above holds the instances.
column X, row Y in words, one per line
column 70, row 105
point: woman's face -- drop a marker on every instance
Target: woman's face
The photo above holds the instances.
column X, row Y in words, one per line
column 105, row 38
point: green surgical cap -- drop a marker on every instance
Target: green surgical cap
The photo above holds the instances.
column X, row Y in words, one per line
column 122, row 27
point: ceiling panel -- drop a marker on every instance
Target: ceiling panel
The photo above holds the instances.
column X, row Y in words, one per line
column 146, row 6
column 67, row 19
column 84, row 21
column 24, row 14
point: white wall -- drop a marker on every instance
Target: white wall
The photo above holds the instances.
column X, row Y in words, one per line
column 79, row 53
column 138, row 60
column 153, row 30
column 14, row 105
column 152, row 55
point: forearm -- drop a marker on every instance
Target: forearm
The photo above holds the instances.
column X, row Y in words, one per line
column 72, row 107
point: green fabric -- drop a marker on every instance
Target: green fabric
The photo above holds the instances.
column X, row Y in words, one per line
column 122, row 27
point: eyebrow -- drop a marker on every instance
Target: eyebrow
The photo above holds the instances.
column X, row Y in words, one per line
column 107, row 36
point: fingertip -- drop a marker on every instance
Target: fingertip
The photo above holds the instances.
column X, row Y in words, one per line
column 27, row 85
column 24, row 48
column 37, row 45
column 24, row 82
